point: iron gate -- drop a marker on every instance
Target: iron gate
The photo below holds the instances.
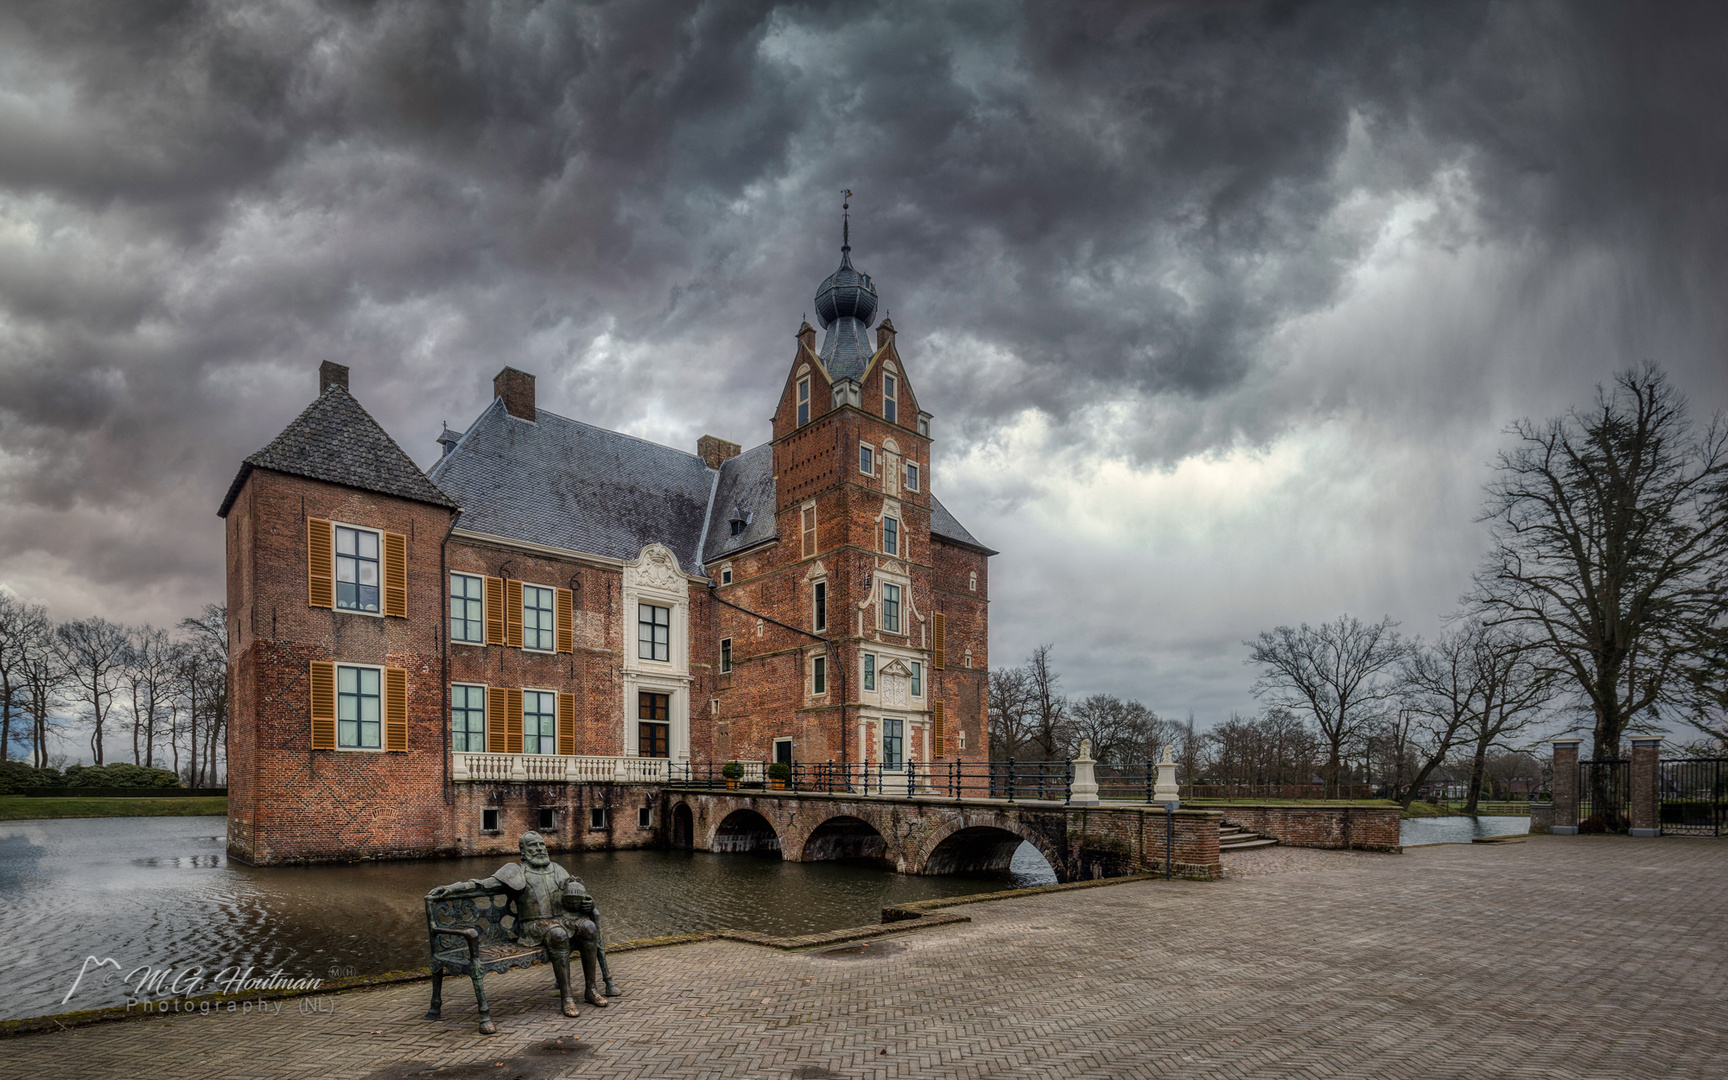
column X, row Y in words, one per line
column 1693, row 796
column 1604, row 796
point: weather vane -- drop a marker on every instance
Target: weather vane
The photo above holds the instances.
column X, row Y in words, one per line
column 846, row 221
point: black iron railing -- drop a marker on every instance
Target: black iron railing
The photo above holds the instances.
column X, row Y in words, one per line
column 1604, row 796
column 1048, row 781
column 1692, row 796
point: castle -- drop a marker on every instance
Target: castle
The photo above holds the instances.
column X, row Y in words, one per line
column 557, row 618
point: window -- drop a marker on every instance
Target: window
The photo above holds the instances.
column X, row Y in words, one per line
column 725, row 655
column 917, row 679
column 737, row 525
column 653, row 632
column 359, row 708
column 467, row 609
column 911, row 476
column 866, row 460
column 548, row 818
column 893, row 743
column 489, row 821
column 803, row 402
column 891, row 608
column 468, row 719
column 890, row 536
column 809, row 524
column 782, row 751
column 818, row 675
column 356, row 569
column 536, row 618
column 960, row 740
column 653, row 724
column 596, row 817
column 972, row 581
column 890, row 400
column 819, row 617
column 726, row 576
column 539, row 722
column 869, row 671
column 644, row 817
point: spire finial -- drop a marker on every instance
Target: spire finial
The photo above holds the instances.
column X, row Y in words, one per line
column 846, row 221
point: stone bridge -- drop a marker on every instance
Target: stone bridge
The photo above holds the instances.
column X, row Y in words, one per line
column 944, row 836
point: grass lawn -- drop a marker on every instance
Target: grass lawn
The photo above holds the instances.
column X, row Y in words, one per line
column 18, row 808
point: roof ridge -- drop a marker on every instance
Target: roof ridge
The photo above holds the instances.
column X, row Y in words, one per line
column 620, row 434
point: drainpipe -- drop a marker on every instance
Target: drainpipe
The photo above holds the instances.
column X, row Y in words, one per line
column 833, row 658
column 444, row 657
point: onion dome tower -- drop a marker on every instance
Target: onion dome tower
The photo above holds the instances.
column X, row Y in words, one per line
column 845, row 306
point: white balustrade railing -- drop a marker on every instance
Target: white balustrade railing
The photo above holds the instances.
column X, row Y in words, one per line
column 563, row 768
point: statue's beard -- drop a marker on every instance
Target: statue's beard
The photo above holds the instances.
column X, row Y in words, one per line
column 539, row 860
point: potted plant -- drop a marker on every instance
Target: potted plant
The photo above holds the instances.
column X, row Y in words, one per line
column 778, row 774
column 733, row 772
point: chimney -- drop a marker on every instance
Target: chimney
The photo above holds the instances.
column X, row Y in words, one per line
column 331, row 375
column 517, row 390
column 884, row 332
column 714, row 450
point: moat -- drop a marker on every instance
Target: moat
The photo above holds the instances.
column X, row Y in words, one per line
column 162, row 892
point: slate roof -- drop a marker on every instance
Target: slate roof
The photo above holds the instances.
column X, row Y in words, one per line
column 845, row 306
column 747, row 488
column 567, row 484
column 943, row 524
column 337, row 440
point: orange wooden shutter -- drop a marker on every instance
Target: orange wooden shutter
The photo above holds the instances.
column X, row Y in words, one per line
column 396, row 709
column 513, row 615
column 566, row 621
column 495, row 612
column 323, row 704
column 939, row 732
column 512, row 721
column 497, row 729
column 566, row 723
column 809, row 531
column 396, row 575
column 321, row 569
column 941, row 635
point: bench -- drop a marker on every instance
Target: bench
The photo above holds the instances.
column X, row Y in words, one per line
column 472, row 933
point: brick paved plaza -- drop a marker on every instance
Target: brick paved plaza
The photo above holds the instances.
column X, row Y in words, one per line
column 1548, row 957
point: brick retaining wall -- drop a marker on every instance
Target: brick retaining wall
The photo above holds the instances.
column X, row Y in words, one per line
column 1362, row 828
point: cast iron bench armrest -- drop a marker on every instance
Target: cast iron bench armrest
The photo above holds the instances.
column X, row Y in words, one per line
column 470, row 932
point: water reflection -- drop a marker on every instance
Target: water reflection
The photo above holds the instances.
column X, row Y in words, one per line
column 161, row 891
column 1458, row 830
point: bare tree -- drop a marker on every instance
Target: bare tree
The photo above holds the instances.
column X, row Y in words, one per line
column 1011, row 728
column 151, row 665
column 205, row 678
column 44, row 676
column 22, row 627
column 93, row 653
column 1513, row 691
column 1049, row 707
column 1119, row 731
column 1610, row 531
column 1276, row 748
column 1337, row 673
column 1190, row 743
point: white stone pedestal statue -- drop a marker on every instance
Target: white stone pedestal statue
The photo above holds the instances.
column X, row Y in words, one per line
column 1084, row 790
column 1166, row 789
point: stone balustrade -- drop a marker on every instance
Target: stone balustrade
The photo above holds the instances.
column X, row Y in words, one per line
column 563, row 769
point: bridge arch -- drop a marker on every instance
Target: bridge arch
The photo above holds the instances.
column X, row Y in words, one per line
column 844, row 836
column 683, row 827
column 975, row 845
column 744, row 830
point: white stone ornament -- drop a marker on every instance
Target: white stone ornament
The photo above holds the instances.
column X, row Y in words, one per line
column 1084, row 790
column 1166, row 789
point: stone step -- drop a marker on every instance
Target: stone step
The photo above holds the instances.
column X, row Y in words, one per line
column 1247, row 845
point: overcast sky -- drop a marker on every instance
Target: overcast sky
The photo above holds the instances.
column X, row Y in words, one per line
column 1220, row 308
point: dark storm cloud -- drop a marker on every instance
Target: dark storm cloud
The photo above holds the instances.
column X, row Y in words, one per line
column 199, row 201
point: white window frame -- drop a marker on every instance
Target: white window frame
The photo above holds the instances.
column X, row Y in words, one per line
column 335, row 561
column 819, row 611
column 863, row 449
column 899, row 629
column 725, row 575
column 916, row 683
column 654, row 578
column 867, row 674
column 882, row 742
column 802, row 402
column 818, row 667
column 911, row 476
column 890, row 398
column 553, row 695
column 485, row 691
column 899, row 548
column 654, row 640
column 481, row 578
column 382, row 690
column 551, row 613
column 726, row 657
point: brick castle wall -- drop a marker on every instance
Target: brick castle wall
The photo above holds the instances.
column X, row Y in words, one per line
column 1364, row 828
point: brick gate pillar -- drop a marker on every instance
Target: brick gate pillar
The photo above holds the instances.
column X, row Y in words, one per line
column 1566, row 786
column 1645, row 767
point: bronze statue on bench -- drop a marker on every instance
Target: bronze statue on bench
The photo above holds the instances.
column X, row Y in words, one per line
column 549, row 912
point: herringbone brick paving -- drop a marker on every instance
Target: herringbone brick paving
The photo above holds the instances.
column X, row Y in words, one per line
column 1552, row 957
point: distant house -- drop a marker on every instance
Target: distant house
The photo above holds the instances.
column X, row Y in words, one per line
column 535, row 633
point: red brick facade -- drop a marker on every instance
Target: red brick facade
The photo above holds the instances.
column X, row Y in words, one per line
column 291, row 803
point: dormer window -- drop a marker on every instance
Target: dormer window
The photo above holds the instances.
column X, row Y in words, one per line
column 803, row 402
column 737, row 526
column 890, row 401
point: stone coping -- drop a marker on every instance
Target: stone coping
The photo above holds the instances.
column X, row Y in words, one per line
column 897, row 919
column 947, row 800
